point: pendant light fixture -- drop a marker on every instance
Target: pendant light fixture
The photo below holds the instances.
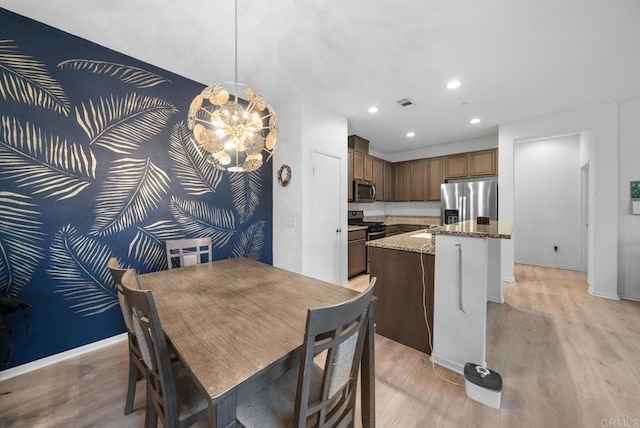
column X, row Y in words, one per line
column 233, row 133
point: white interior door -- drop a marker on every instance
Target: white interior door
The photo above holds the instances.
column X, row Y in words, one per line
column 326, row 248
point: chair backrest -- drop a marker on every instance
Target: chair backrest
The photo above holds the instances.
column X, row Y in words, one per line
column 187, row 252
column 154, row 349
column 116, row 273
column 340, row 331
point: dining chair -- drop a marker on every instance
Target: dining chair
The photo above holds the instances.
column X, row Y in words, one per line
column 172, row 396
column 322, row 391
column 137, row 369
column 187, row 252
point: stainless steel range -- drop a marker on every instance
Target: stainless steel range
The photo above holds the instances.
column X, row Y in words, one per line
column 375, row 229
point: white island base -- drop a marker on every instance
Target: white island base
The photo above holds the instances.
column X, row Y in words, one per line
column 467, row 275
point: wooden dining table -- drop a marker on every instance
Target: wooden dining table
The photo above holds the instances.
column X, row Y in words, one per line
column 238, row 324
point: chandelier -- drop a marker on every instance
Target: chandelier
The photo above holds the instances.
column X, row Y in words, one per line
column 232, row 132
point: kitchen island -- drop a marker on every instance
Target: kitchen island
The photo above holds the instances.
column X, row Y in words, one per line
column 467, row 274
column 445, row 274
column 400, row 263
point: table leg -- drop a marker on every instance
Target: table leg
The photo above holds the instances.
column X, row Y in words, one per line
column 222, row 413
column 368, row 375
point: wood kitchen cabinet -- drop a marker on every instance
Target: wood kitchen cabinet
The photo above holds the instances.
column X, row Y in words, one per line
column 484, row 162
column 417, row 179
column 388, row 179
column 368, row 168
column 401, row 182
column 357, row 252
column 358, row 165
column 358, row 144
column 349, row 175
column 456, row 166
column 435, row 177
column 378, row 177
column 394, row 229
column 410, row 227
column 471, row 164
column 399, row 313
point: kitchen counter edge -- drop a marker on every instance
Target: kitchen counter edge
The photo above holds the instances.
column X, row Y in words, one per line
column 470, row 229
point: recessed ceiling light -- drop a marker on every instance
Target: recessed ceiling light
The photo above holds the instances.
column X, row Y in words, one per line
column 411, row 134
column 453, row 84
column 373, row 109
column 474, row 120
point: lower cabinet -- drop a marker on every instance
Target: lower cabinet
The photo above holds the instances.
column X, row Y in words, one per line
column 357, row 249
column 399, row 313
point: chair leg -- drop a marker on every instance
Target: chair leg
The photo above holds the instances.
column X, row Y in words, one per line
column 150, row 415
column 134, row 375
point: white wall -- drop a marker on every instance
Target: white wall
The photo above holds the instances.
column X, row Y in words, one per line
column 547, row 202
column 602, row 121
column 441, row 149
column 325, row 131
column 629, row 266
column 305, row 126
column 287, row 201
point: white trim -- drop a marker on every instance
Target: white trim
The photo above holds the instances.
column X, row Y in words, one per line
column 56, row 358
column 603, row 295
column 508, row 278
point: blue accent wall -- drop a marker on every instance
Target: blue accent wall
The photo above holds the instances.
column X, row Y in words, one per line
column 96, row 161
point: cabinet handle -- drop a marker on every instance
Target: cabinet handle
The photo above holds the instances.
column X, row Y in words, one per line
column 460, row 303
column 338, row 230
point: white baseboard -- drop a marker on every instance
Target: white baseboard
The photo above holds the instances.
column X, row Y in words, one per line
column 47, row 361
column 603, row 295
column 448, row 364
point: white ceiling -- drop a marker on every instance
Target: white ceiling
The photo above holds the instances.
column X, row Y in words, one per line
column 516, row 59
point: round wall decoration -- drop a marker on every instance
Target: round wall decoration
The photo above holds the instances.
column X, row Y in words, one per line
column 284, row 175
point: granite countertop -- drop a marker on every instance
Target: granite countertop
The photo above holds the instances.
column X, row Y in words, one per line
column 352, row 228
column 408, row 242
column 469, row 228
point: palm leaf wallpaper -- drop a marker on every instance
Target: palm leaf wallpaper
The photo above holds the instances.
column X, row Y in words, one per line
column 26, row 80
column 132, row 75
column 96, row 161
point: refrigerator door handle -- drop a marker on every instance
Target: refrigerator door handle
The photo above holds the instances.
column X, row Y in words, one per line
column 460, row 303
column 462, row 206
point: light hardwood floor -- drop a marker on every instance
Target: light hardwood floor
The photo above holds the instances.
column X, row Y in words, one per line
column 568, row 359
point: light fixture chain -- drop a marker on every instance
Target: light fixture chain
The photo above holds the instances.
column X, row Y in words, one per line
column 236, row 47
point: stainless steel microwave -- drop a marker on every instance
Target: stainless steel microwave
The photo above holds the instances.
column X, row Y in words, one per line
column 364, row 191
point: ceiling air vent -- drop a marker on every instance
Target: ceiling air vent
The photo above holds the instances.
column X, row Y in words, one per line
column 406, row 103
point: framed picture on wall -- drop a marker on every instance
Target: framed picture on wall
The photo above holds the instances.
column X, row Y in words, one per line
column 635, row 189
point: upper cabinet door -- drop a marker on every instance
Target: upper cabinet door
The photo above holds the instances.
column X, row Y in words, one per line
column 378, row 178
column 435, row 178
column 401, row 181
column 388, row 181
column 483, row 163
column 349, row 175
column 358, row 165
column 368, row 168
column 417, row 179
column 456, row 166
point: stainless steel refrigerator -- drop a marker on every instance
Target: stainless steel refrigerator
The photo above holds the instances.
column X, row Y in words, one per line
column 467, row 199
